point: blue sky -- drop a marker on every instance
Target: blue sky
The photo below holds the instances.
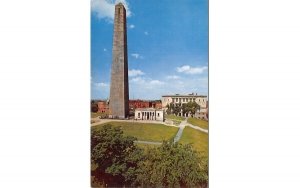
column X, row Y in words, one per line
column 167, row 47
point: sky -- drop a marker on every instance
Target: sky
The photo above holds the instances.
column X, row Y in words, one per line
column 167, row 45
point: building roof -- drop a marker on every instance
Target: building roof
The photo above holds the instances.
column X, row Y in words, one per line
column 148, row 109
column 189, row 95
column 140, row 100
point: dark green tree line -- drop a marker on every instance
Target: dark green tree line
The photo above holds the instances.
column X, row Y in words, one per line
column 94, row 106
column 190, row 107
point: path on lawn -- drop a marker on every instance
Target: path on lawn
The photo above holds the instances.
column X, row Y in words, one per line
column 182, row 126
column 176, row 139
column 180, row 131
column 196, row 127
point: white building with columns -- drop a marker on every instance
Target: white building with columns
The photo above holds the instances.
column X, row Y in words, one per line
column 149, row 114
column 201, row 100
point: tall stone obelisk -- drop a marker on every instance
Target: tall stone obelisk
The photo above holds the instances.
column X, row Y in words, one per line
column 119, row 94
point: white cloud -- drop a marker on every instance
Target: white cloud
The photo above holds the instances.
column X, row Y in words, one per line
column 156, row 82
column 181, row 83
column 146, row 33
column 101, row 84
column 105, row 9
column 147, row 88
column 186, row 85
column 131, row 26
column 173, row 77
column 146, row 82
column 104, row 50
column 138, row 80
column 135, row 72
column 191, row 70
column 137, row 56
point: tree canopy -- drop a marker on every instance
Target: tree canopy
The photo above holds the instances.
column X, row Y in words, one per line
column 115, row 155
column 183, row 108
column 94, row 107
column 192, row 107
column 173, row 165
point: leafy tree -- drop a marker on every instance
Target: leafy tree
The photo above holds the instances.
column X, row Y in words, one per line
column 177, row 109
column 192, row 107
column 115, row 157
column 94, row 107
column 168, row 109
column 173, row 165
column 172, row 107
column 184, row 108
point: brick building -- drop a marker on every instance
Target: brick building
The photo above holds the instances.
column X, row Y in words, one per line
column 103, row 107
column 134, row 104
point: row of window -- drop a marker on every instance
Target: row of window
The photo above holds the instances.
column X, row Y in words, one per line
column 183, row 99
column 145, row 113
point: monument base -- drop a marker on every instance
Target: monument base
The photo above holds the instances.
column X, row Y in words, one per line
column 117, row 117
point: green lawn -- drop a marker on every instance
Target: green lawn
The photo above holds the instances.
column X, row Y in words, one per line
column 198, row 139
column 176, row 122
column 198, row 122
column 172, row 116
column 93, row 115
column 145, row 131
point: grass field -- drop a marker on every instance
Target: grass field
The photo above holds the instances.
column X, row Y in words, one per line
column 197, row 138
column 198, row 122
column 172, row 116
column 145, row 131
column 93, row 115
column 176, row 122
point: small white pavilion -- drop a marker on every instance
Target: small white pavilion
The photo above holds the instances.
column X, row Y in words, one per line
column 149, row 114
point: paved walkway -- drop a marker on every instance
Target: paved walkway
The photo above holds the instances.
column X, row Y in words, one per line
column 196, row 127
column 182, row 126
column 179, row 133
